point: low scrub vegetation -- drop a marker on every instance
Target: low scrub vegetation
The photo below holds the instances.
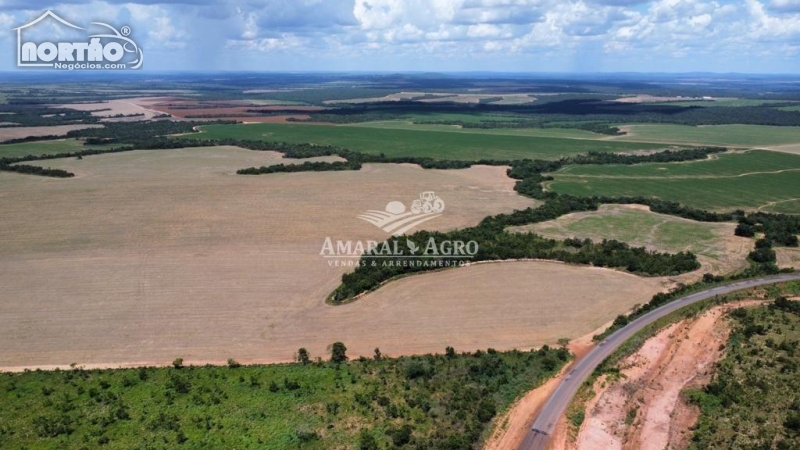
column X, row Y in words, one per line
column 432, row 401
column 753, row 400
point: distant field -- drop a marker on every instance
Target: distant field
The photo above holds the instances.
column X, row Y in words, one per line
column 715, row 244
column 748, row 180
column 44, row 148
column 726, row 135
column 8, row 133
column 565, row 133
column 730, row 102
column 419, row 143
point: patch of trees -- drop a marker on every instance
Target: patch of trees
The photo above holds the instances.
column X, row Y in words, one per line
column 561, row 111
column 780, row 229
column 304, row 167
column 143, row 134
column 35, row 170
column 494, row 243
column 38, row 116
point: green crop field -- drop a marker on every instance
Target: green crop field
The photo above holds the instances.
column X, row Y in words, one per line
column 38, row 148
column 742, row 180
column 565, row 133
column 725, row 135
column 420, row 402
column 724, row 165
column 419, row 143
column 784, row 207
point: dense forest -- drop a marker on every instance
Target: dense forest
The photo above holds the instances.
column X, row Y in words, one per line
column 561, row 113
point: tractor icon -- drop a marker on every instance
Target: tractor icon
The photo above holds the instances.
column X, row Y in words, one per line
column 427, row 203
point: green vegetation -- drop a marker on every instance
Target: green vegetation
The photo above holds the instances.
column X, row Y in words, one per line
column 709, row 193
column 430, row 125
column 726, row 165
column 784, row 207
column 637, row 227
column 753, row 400
column 746, row 180
column 418, row 143
column 432, row 401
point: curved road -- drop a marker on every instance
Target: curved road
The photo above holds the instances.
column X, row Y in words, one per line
column 556, row 405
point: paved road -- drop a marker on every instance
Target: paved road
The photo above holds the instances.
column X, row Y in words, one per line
column 556, row 405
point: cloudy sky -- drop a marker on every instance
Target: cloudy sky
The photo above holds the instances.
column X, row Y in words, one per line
column 442, row 35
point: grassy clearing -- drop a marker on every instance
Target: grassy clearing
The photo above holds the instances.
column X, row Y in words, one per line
column 639, row 227
column 747, row 180
column 725, row 135
column 443, row 401
column 419, row 143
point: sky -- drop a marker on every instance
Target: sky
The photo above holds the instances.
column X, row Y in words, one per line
column 584, row 36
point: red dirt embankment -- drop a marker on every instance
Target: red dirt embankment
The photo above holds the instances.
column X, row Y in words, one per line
column 643, row 407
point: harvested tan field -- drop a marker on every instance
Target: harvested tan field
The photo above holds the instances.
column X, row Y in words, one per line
column 643, row 408
column 23, row 132
column 717, row 248
column 146, row 256
column 112, row 108
column 788, row 257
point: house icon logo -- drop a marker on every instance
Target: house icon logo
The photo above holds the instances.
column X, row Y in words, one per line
column 113, row 49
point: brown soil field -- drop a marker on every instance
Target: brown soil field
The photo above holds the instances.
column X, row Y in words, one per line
column 788, row 257
column 146, row 256
column 121, row 106
column 718, row 249
column 643, row 408
column 23, row 132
